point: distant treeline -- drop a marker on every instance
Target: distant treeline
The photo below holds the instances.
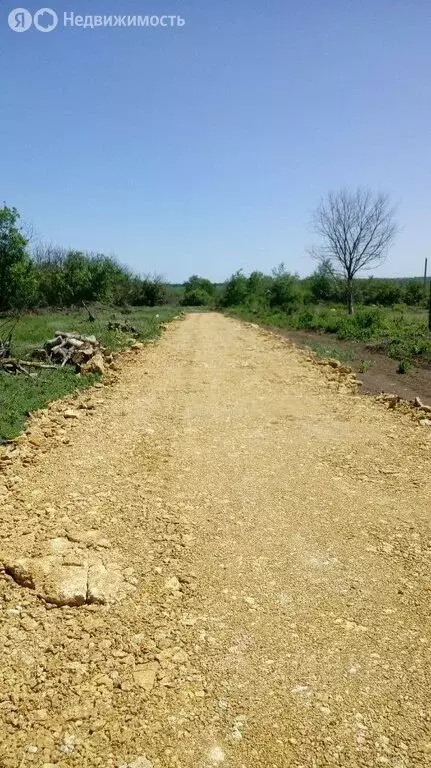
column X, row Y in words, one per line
column 56, row 277
column 288, row 292
column 48, row 276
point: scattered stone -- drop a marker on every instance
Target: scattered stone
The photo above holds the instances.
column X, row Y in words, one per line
column 393, row 401
column 41, row 715
column 216, row 755
column 180, row 657
column 66, row 577
column 144, row 675
column 173, row 584
column 68, row 745
column 29, row 624
column 140, row 762
column 189, row 621
column 20, row 573
column 70, row 414
column 417, row 403
column 95, row 365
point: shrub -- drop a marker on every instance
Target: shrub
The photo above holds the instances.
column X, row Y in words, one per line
column 385, row 293
column 196, row 297
column 404, row 366
column 16, row 272
column 235, row 290
column 323, row 285
column 414, row 293
column 369, row 321
column 285, row 292
column 198, row 291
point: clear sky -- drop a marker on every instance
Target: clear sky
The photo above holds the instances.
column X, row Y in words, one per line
column 204, row 149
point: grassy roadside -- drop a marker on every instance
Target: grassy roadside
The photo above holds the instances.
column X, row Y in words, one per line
column 400, row 333
column 20, row 395
column 348, row 355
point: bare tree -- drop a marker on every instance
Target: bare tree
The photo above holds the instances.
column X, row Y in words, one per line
column 357, row 228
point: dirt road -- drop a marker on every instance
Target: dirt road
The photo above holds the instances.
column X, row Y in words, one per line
column 266, row 541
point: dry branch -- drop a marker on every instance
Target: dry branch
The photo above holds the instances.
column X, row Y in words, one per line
column 29, row 363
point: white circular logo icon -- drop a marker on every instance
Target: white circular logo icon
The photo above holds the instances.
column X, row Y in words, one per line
column 20, row 20
column 45, row 20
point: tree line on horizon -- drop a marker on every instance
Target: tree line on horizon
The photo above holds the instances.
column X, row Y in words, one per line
column 355, row 229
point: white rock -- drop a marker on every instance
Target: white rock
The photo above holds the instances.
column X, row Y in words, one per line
column 71, row 414
column 104, row 584
column 59, row 546
column 66, row 585
column 141, row 762
column 173, row 584
column 216, row 755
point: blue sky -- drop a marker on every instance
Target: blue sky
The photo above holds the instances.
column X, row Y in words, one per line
column 204, row 149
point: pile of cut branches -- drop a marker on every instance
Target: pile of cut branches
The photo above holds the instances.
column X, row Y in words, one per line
column 84, row 352
column 70, row 348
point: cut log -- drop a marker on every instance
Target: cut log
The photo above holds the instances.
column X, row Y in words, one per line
column 76, row 343
column 89, row 339
column 28, row 363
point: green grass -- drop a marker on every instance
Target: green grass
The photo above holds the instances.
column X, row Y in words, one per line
column 348, row 355
column 34, row 329
column 404, row 366
column 20, row 395
column 322, row 350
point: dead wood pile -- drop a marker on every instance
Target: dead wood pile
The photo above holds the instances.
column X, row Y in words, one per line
column 85, row 352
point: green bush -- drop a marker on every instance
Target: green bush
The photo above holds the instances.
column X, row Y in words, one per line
column 236, row 290
column 414, row 293
column 323, row 285
column 404, row 366
column 198, row 291
column 17, row 282
column 196, row 297
column 384, row 293
column 285, row 292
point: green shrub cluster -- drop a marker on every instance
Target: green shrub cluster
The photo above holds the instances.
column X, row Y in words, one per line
column 51, row 276
column 198, row 292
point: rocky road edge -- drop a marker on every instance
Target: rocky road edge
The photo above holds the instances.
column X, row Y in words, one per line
column 47, row 427
column 72, row 570
column 343, row 378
